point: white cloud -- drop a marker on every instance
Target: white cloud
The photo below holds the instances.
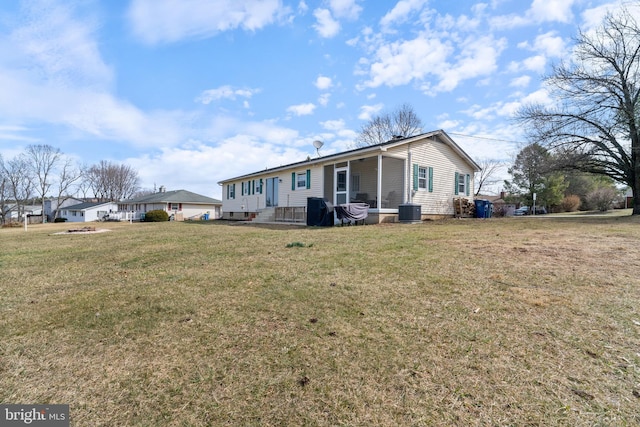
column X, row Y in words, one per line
column 13, row 133
column 156, row 21
column 548, row 44
column 535, row 63
column 399, row 63
column 551, row 10
column 328, row 19
column 60, row 46
column 522, row 81
column 367, row 111
column 401, row 12
column 224, row 92
column 481, row 113
column 478, row 58
column 508, row 109
column 326, row 26
column 333, row 125
column 241, row 153
column 302, row 109
column 345, row 9
column 448, row 124
column 592, row 18
column 540, row 11
column 324, row 99
column 63, row 81
column 323, row 82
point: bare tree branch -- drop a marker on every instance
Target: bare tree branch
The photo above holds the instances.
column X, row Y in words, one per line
column 401, row 122
column 43, row 160
column 489, row 168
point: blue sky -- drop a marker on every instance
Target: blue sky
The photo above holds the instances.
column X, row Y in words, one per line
column 189, row 92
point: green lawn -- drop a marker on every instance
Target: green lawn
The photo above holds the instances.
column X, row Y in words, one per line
column 514, row 321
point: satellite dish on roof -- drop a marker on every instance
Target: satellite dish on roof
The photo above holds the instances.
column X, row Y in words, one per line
column 318, row 144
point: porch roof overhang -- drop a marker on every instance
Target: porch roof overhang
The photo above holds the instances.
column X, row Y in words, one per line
column 358, row 152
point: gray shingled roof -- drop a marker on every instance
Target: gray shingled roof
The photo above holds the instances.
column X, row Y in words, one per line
column 176, row 196
column 85, row 205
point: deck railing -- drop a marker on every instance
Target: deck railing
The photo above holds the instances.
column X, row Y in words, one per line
column 291, row 214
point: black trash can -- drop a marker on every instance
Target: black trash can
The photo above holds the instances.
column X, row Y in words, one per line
column 319, row 212
column 409, row 213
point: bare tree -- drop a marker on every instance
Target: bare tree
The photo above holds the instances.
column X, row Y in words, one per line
column 3, row 186
column 68, row 175
column 595, row 118
column 19, row 182
column 43, row 160
column 489, row 168
column 402, row 122
column 111, row 182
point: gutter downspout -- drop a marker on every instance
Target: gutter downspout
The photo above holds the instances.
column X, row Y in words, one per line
column 409, row 169
column 379, row 189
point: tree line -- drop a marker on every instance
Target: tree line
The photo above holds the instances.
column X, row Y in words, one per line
column 43, row 171
column 558, row 188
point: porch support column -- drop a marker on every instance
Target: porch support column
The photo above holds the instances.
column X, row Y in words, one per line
column 379, row 189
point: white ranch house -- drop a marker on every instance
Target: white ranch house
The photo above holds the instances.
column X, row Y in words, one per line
column 88, row 211
column 429, row 170
column 179, row 204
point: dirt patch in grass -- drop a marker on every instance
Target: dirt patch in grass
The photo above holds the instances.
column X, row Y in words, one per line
column 494, row 322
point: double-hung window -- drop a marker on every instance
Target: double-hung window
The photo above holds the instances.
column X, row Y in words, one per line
column 423, row 178
column 462, row 189
column 463, row 184
column 301, row 180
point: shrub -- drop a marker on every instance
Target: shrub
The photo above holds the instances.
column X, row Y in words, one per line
column 156, row 216
column 60, row 220
column 570, row 203
column 602, row 198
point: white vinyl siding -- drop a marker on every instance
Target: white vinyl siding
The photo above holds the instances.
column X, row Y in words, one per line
column 444, row 162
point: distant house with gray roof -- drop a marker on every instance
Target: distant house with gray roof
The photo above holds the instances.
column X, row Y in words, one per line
column 179, row 204
column 88, row 211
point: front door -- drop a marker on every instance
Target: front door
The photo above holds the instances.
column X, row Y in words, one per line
column 272, row 192
column 340, row 196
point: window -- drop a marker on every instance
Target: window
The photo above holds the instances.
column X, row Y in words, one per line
column 461, row 187
column 301, row 180
column 231, row 191
column 422, row 178
column 246, row 188
column 462, row 184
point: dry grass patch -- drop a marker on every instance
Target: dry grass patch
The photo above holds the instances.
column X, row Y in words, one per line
column 496, row 322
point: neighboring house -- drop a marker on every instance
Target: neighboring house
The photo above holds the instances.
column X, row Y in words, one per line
column 500, row 206
column 88, row 211
column 51, row 206
column 11, row 212
column 430, row 170
column 181, row 204
column 627, row 198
